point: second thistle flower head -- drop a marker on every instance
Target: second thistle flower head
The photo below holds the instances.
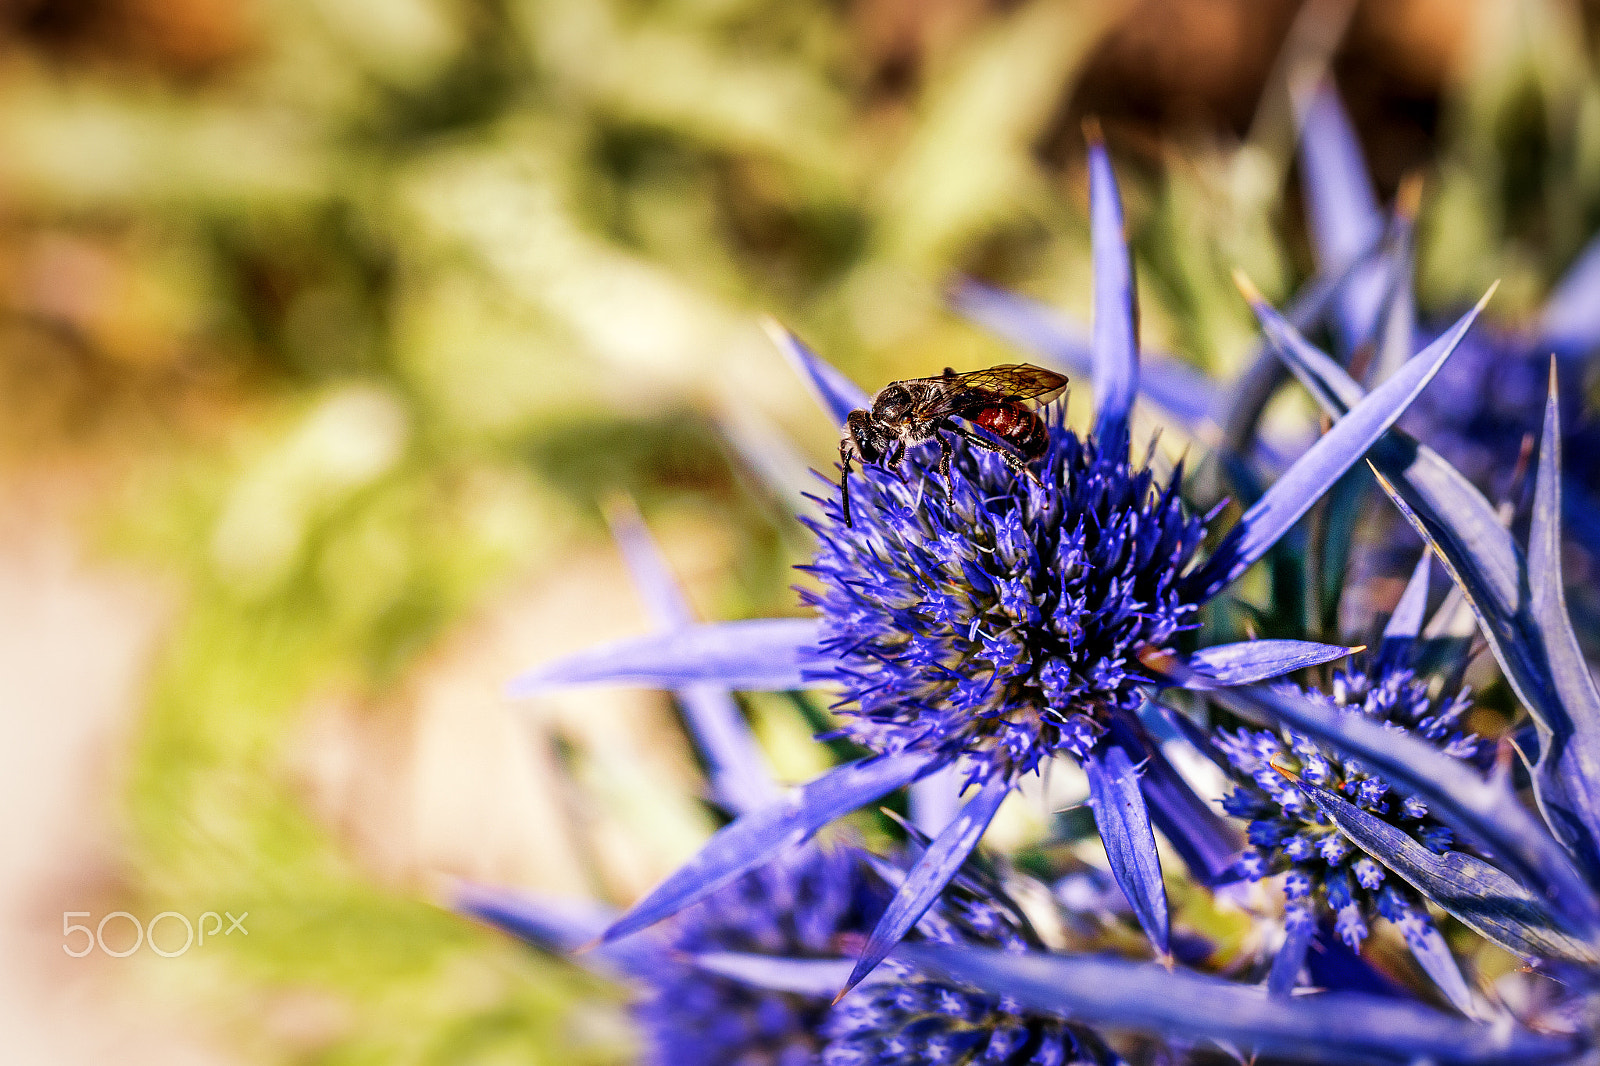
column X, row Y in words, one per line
column 994, row 620
column 1303, row 793
column 1289, row 835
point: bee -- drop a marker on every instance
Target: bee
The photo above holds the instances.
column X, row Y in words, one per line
column 1000, row 399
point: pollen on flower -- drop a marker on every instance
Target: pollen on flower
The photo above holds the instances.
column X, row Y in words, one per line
column 1287, row 833
column 997, row 621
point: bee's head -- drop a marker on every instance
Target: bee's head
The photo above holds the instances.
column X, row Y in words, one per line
column 892, row 405
column 869, row 444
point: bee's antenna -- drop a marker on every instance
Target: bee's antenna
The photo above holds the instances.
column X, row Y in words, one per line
column 844, row 481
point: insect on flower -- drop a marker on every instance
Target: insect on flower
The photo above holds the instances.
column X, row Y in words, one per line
column 920, row 410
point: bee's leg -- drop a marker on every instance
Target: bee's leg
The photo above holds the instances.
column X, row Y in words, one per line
column 945, row 453
column 844, row 481
column 896, row 461
column 1015, row 461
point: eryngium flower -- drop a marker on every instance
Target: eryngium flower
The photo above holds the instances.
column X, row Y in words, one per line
column 1080, row 584
column 906, row 1017
column 1288, row 835
column 734, row 978
column 1324, row 873
column 910, row 1020
column 999, row 623
column 1530, row 884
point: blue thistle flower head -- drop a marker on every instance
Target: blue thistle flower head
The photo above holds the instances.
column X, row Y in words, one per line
column 1550, row 868
column 1324, row 873
column 904, row 1017
column 914, row 1020
column 999, row 623
column 818, row 905
column 734, row 979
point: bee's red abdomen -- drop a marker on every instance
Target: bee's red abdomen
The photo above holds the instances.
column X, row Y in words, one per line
column 1016, row 425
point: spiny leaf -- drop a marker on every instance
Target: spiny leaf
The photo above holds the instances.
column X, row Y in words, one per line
column 767, row 654
column 1116, row 328
column 929, row 876
column 1124, row 823
column 1331, row 1028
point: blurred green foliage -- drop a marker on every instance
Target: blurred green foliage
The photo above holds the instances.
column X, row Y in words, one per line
column 388, row 298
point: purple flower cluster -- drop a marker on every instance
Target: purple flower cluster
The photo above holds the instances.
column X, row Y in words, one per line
column 1323, row 871
column 1000, row 624
column 733, row 980
column 920, row 1021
